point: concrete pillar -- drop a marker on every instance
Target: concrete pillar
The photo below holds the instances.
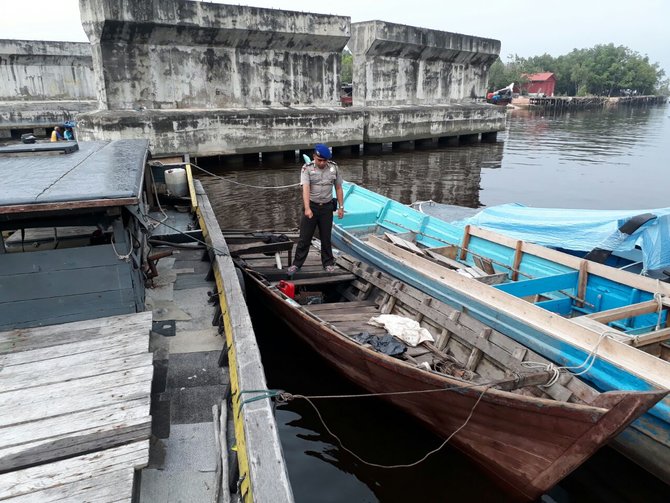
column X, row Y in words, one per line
column 218, row 56
column 468, row 139
column 425, row 143
column 345, row 150
column 448, row 141
column 273, row 157
column 372, row 148
column 251, row 158
column 490, row 137
column 404, row 65
column 231, row 161
column 403, row 146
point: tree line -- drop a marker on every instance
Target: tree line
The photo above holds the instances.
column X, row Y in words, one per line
column 603, row 70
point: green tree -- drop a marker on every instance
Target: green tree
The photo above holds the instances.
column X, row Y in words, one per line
column 502, row 75
column 346, row 65
column 603, row 70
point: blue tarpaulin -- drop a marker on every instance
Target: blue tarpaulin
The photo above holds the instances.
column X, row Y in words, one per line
column 580, row 230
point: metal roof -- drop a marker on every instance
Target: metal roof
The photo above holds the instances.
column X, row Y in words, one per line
column 99, row 170
column 539, row 77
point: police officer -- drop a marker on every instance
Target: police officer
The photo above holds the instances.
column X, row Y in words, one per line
column 317, row 179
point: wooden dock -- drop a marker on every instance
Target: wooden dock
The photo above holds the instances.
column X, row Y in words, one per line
column 74, row 409
column 569, row 103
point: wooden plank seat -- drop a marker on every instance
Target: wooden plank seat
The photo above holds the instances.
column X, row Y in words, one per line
column 324, row 279
column 252, row 248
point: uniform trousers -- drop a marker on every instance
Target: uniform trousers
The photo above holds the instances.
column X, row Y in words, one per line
column 323, row 219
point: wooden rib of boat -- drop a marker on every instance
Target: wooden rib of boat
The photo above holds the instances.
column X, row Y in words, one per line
column 471, row 383
column 565, row 308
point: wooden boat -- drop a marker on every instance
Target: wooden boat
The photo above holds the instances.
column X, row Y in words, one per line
column 471, row 385
column 633, row 240
column 610, row 325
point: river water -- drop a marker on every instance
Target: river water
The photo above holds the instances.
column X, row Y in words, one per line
column 607, row 159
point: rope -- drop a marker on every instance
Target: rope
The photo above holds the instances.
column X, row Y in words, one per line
column 125, row 257
column 193, row 238
column 228, row 180
column 658, row 297
column 285, row 397
column 549, row 367
column 585, row 365
column 421, row 203
column 405, row 465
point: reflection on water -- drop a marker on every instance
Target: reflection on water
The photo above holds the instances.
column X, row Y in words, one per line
column 608, row 159
column 597, row 159
column 450, row 174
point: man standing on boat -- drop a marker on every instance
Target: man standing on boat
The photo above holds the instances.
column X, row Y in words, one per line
column 317, row 179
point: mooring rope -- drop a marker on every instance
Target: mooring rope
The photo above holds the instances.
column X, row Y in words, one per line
column 585, row 365
column 228, row 180
column 284, row 397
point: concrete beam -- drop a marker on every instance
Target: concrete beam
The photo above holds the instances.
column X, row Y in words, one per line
column 30, row 114
column 177, row 54
column 32, row 70
column 404, row 65
column 227, row 132
column 396, row 124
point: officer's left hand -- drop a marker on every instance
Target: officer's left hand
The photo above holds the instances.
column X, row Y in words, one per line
column 340, row 213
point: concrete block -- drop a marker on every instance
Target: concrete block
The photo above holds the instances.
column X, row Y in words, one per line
column 34, row 70
column 219, row 132
column 178, row 54
column 404, row 65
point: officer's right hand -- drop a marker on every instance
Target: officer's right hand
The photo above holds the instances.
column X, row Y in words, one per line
column 308, row 213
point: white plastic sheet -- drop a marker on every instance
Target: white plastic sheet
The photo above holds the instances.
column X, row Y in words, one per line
column 406, row 329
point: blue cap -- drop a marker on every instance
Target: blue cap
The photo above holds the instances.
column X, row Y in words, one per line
column 322, row 151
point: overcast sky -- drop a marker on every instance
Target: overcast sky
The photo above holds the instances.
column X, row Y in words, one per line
column 524, row 27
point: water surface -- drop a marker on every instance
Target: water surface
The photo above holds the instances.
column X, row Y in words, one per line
column 609, row 159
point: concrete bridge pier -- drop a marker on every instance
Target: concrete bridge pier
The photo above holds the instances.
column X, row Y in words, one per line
column 212, row 79
column 346, row 150
column 403, row 146
column 43, row 84
column 373, row 148
column 468, row 139
column 448, row 141
column 425, row 143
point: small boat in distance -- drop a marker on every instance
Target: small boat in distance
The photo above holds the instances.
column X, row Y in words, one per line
column 568, row 309
column 495, row 400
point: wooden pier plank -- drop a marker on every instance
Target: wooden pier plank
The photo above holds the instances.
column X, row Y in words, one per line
column 35, row 481
column 73, row 388
column 131, row 343
column 57, row 335
column 68, row 369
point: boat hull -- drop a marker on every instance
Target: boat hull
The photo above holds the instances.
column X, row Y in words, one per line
column 526, row 444
column 648, row 442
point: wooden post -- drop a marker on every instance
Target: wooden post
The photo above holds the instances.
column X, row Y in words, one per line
column 517, row 260
column 581, row 282
column 465, row 243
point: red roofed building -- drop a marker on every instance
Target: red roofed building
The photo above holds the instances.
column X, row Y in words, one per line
column 539, row 84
